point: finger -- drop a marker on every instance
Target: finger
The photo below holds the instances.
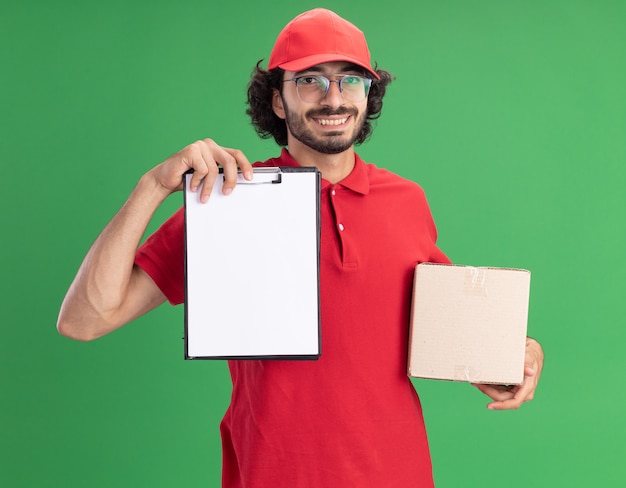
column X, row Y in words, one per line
column 208, row 148
column 232, row 161
column 512, row 403
column 518, row 397
column 242, row 162
column 497, row 392
column 528, row 387
column 229, row 164
column 519, row 394
column 205, row 157
column 193, row 157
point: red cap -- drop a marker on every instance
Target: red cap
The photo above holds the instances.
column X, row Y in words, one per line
column 319, row 36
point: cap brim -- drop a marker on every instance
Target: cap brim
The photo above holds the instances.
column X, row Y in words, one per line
column 306, row 62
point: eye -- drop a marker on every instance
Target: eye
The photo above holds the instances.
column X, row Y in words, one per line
column 308, row 80
column 352, row 80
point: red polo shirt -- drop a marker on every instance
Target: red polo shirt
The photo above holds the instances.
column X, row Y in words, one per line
column 351, row 418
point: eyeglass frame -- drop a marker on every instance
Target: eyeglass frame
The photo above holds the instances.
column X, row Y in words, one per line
column 367, row 84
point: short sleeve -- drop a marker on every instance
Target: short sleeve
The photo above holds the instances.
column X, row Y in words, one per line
column 162, row 257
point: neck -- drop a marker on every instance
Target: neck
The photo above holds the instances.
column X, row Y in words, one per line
column 334, row 167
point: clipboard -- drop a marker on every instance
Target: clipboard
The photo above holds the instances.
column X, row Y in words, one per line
column 252, row 267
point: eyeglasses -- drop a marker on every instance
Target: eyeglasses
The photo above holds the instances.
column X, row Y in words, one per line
column 313, row 88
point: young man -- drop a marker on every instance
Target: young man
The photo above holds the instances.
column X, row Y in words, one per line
column 352, row 418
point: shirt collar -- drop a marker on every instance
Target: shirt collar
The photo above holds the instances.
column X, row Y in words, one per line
column 357, row 180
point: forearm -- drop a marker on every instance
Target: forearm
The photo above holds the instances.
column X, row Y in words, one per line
column 109, row 290
column 97, row 301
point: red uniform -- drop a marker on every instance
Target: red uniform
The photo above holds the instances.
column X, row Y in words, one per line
column 351, row 418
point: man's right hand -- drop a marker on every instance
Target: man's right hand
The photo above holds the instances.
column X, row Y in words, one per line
column 204, row 157
column 109, row 290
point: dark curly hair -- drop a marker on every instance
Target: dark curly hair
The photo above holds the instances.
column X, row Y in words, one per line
column 267, row 124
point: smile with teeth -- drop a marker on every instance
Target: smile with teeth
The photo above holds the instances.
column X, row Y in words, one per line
column 332, row 121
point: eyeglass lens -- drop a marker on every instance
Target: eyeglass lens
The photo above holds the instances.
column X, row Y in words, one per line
column 313, row 88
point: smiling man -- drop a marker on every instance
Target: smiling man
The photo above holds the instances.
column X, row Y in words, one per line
column 341, row 90
column 352, row 418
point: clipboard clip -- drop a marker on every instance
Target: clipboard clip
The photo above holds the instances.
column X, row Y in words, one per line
column 262, row 176
column 272, row 175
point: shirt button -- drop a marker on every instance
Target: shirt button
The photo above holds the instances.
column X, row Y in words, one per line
column 333, row 193
column 341, row 227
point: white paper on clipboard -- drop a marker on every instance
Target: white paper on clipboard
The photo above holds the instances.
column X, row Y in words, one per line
column 252, row 268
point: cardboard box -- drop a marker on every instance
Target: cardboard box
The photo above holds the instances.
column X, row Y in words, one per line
column 469, row 324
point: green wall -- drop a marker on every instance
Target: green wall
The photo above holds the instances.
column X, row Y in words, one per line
column 511, row 115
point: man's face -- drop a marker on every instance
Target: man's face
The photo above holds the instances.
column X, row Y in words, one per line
column 329, row 125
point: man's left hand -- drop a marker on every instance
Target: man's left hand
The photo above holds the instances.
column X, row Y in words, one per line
column 511, row 397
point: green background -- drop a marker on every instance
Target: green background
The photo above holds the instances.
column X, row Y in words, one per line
column 511, row 115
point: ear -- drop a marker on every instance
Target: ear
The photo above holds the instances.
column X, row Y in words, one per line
column 277, row 104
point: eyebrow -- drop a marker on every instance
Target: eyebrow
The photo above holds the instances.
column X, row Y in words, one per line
column 346, row 69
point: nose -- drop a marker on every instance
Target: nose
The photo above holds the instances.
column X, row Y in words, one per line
column 333, row 97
